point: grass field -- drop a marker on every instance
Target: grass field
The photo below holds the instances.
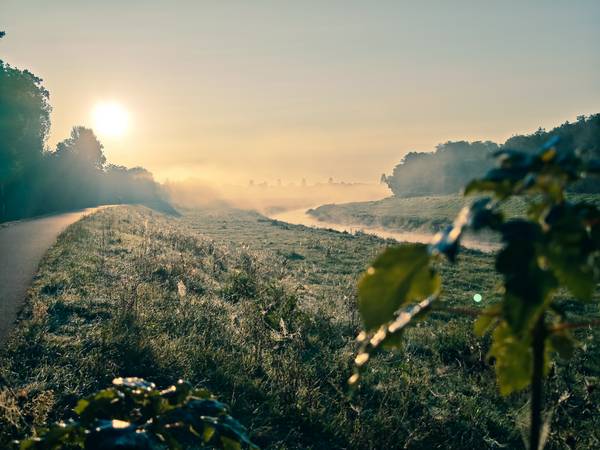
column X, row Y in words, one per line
column 414, row 213
column 263, row 313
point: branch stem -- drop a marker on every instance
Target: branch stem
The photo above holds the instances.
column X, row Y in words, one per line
column 537, row 387
column 575, row 325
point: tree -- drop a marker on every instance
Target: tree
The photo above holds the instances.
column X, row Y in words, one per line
column 83, row 148
column 556, row 245
column 24, row 126
column 441, row 172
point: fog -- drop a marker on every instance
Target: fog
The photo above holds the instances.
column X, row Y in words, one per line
column 270, row 198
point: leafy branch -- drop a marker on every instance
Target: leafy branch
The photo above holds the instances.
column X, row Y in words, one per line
column 556, row 245
column 134, row 414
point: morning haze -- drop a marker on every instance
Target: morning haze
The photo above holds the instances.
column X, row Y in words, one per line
column 232, row 91
column 287, row 225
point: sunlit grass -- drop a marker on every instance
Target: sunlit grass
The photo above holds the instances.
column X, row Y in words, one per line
column 266, row 319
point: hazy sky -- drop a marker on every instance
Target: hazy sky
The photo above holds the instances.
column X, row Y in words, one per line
column 282, row 89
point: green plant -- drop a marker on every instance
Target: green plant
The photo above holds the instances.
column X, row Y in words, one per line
column 133, row 414
column 555, row 245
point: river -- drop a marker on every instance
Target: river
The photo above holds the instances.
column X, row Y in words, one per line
column 300, row 217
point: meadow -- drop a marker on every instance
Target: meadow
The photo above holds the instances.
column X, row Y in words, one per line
column 263, row 313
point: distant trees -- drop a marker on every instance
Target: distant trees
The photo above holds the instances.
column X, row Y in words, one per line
column 441, row 172
column 34, row 180
column 446, row 170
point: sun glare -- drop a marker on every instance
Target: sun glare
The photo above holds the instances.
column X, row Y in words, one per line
column 110, row 119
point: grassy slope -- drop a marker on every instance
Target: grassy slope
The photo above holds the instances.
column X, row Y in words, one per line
column 264, row 314
column 426, row 213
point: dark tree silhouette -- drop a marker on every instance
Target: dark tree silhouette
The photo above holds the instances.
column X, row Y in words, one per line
column 445, row 170
column 82, row 148
column 24, row 126
column 441, row 172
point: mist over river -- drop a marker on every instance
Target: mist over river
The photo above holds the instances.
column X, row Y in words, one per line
column 300, row 217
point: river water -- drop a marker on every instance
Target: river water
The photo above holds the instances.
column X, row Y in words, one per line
column 300, row 217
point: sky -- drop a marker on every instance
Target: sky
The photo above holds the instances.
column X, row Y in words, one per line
column 236, row 90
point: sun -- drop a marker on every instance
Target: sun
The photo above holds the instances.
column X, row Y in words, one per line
column 111, row 119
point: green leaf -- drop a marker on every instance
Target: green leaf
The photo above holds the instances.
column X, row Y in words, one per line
column 522, row 310
column 177, row 394
column 513, row 359
column 487, row 319
column 81, row 406
column 527, row 286
column 399, row 276
column 388, row 336
column 230, row 444
column 571, row 246
column 104, row 404
column 500, row 189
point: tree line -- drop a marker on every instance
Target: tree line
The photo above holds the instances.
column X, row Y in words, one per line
column 446, row 170
column 36, row 180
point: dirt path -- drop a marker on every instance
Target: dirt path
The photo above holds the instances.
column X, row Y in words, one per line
column 22, row 245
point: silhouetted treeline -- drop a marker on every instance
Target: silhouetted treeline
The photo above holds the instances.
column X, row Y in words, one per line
column 446, row 170
column 34, row 180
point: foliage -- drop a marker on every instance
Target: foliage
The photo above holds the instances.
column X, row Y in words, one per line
column 557, row 244
column 24, row 121
column 440, row 172
column 134, row 414
column 35, row 181
column 82, row 149
column 444, row 170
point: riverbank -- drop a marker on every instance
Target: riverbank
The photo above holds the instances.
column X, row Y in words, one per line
column 311, row 219
column 426, row 215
